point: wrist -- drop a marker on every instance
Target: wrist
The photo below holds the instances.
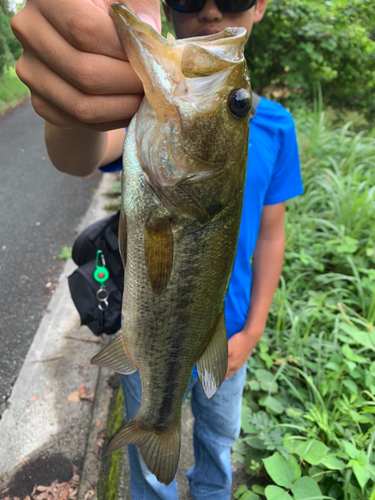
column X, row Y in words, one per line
column 75, row 151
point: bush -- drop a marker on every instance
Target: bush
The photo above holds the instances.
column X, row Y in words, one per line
column 301, row 43
column 10, row 47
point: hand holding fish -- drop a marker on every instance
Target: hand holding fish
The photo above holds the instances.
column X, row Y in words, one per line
column 75, row 81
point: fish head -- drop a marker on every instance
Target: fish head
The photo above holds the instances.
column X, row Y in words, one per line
column 198, row 96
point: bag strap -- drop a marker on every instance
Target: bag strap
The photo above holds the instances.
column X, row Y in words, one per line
column 254, row 105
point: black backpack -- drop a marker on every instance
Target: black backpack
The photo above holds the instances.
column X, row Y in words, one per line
column 98, row 303
column 97, row 247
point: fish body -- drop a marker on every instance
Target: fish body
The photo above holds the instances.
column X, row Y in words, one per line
column 184, row 170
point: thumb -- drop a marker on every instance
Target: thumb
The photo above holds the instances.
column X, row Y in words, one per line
column 148, row 11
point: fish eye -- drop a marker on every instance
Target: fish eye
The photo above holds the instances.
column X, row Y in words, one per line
column 240, row 103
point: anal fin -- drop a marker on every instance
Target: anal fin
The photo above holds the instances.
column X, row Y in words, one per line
column 114, row 356
column 160, row 450
column 212, row 365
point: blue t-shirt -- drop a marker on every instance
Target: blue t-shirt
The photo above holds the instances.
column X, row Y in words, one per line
column 273, row 176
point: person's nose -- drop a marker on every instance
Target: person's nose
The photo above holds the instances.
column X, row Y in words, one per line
column 210, row 12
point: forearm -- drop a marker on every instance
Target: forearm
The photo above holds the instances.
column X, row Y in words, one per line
column 75, row 151
column 81, row 151
column 267, row 265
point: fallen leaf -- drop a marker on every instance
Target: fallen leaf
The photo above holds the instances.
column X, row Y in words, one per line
column 89, row 494
column 74, row 397
column 24, row 277
column 42, row 488
column 98, row 423
column 33, row 398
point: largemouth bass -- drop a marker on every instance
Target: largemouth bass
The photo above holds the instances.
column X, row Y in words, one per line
column 184, row 170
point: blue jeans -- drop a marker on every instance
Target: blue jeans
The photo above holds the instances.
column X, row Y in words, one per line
column 216, row 427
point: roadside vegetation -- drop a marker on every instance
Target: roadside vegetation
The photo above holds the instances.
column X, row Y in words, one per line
column 12, row 90
column 308, row 423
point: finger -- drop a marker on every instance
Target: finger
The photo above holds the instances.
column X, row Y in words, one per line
column 61, row 119
column 85, row 24
column 91, row 73
column 82, row 107
column 147, row 10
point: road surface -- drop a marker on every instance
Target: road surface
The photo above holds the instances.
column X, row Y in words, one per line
column 40, row 209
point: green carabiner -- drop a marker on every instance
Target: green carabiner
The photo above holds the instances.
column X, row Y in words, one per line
column 101, row 273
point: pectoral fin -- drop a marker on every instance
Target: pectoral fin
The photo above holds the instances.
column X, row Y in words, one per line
column 158, row 254
column 114, row 356
column 212, row 365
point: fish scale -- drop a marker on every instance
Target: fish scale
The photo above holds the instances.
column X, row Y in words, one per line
column 184, row 170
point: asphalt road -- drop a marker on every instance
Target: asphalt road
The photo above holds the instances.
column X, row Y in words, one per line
column 40, row 209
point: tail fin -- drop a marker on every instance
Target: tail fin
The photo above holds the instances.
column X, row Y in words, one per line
column 160, row 450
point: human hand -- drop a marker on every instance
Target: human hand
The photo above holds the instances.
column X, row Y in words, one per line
column 240, row 347
column 74, row 64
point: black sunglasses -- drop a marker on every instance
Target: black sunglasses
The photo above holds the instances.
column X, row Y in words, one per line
column 225, row 6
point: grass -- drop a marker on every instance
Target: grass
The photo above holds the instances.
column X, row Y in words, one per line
column 12, row 90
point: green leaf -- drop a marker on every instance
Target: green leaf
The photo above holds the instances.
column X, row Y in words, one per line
column 297, row 468
column 249, row 496
column 255, row 442
column 351, row 385
column 280, row 470
column 361, row 473
column 312, row 451
column 266, row 380
column 372, row 494
column 274, row 405
column 291, row 443
column 306, row 488
column 332, row 462
column 242, row 489
column 350, row 449
column 246, row 415
column 258, row 489
column 276, row 493
column 254, row 385
column 359, row 336
column 267, row 359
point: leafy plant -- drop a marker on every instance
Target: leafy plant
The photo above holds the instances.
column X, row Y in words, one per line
column 10, row 47
column 301, row 43
column 66, row 253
